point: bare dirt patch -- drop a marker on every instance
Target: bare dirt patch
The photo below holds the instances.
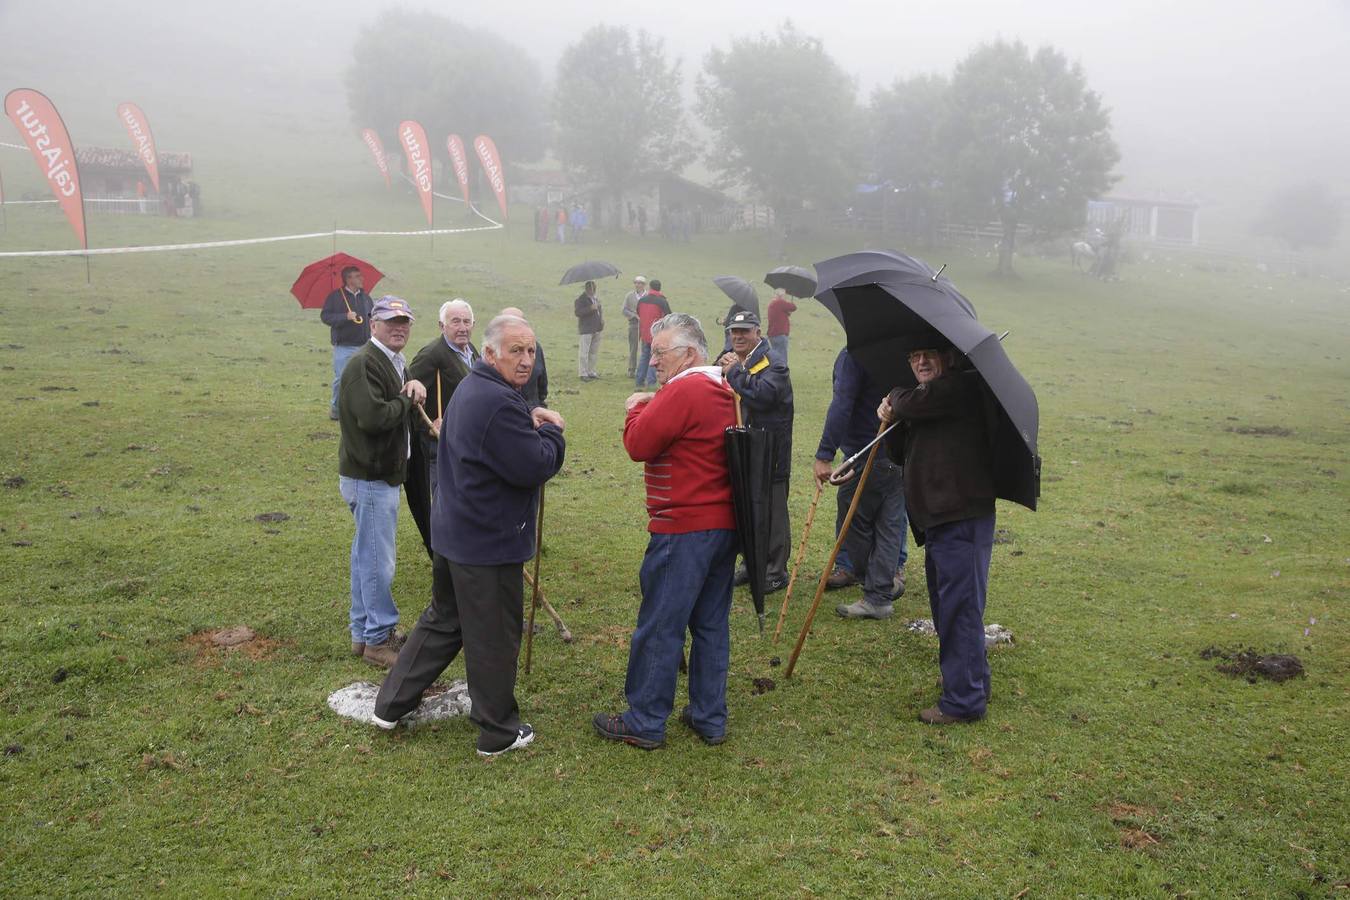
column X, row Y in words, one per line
column 1253, row 664
column 210, row 647
column 1261, row 430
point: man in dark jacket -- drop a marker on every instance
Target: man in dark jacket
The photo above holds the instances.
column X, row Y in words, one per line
column 346, row 312
column 441, row 365
column 760, row 377
column 375, row 399
column 876, row 538
column 949, row 484
column 495, row 455
column 590, row 322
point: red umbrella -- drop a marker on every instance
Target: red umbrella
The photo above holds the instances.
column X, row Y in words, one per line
column 319, row 279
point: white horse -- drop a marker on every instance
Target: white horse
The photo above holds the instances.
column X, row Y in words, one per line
column 1082, row 256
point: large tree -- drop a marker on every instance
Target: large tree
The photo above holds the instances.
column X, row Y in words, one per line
column 617, row 109
column 1301, row 215
column 449, row 77
column 1027, row 140
column 784, row 118
column 904, row 140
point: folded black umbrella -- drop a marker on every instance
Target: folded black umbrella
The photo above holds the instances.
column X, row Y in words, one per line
column 890, row 304
column 795, row 280
column 750, row 462
column 741, row 292
column 589, row 270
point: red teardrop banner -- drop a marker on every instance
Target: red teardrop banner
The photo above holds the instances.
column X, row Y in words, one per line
column 461, row 163
column 492, row 165
column 414, row 139
column 372, row 140
column 44, row 131
column 138, row 127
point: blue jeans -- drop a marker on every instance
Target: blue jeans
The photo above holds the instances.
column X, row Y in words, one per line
column 686, row 584
column 957, row 566
column 645, row 373
column 882, row 518
column 779, row 344
column 374, row 505
column 341, row 353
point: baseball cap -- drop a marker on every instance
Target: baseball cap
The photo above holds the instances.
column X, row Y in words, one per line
column 391, row 307
column 743, row 319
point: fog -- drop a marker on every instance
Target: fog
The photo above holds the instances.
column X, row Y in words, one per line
column 1212, row 101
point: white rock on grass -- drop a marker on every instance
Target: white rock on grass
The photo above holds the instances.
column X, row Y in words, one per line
column 994, row 634
column 357, row 701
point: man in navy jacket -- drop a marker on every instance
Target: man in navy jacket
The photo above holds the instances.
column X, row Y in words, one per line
column 495, row 454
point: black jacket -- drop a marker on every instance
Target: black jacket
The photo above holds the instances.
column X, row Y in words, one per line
column 535, row 390
column 590, row 319
column 946, row 449
column 346, row 333
column 766, row 401
column 373, row 417
column 437, row 359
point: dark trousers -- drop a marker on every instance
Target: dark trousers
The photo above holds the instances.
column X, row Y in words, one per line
column 780, row 533
column 429, row 447
column 957, row 566
column 876, row 537
column 634, row 335
column 478, row 608
column 686, row 586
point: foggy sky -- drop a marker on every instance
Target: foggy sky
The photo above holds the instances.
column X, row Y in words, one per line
column 1209, row 98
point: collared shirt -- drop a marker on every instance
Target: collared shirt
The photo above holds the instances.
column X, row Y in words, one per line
column 401, row 367
column 466, row 354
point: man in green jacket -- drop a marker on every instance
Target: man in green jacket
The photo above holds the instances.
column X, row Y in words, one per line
column 375, row 402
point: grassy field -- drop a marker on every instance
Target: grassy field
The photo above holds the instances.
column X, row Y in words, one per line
column 1194, row 431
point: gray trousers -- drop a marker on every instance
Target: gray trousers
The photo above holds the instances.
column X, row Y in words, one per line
column 479, row 609
column 876, row 538
column 634, row 327
column 588, row 350
column 780, row 534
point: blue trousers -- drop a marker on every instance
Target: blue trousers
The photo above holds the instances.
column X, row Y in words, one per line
column 779, row 342
column 957, row 566
column 341, row 353
column 876, row 545
column 374, row 506
column 645, row 373
column 686, row 584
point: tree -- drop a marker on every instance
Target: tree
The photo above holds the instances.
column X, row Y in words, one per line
column 449, row 77
column 906, row 120
column 784, row 118
column 617, row 110
column 1027, row 140
column 1303, row 215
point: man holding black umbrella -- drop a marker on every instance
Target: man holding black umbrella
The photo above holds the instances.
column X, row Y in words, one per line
column 949, row 485
column 679, row 434
column 760, row 376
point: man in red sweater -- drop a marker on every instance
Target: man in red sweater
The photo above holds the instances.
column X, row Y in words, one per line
column 679, row 433
column 780, row 326
column 650, row 307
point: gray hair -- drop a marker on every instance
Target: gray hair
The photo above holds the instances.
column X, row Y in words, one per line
column 686, row 331
column 492, row 337
column 447, row 305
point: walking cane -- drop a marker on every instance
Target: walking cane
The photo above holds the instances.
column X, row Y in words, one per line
column 534, row 603
column 431, row 426
column 838, row 543
column 563, row 631
column 801, row 552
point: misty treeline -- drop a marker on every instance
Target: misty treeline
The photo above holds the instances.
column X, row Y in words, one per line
column 1010, row 135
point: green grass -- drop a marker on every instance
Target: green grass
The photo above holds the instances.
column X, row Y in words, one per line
column 1114, row 760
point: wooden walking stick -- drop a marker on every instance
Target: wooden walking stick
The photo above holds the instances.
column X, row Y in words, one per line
column 801, row 552
column 563, row 631
column 838, row 543
column 534, row 603
column 431, row 426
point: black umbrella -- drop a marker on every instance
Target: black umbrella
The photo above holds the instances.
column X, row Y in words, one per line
column 741, row 292
column 795, row 280
column 589, row 270
column 750, row 462
column 890, row 304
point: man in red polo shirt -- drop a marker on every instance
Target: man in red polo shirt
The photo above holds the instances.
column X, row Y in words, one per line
column 679, row 433
column 780, row 325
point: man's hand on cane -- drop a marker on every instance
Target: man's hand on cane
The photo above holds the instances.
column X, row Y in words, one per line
column 415, row 391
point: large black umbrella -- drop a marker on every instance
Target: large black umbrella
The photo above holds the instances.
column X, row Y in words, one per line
column 890, row 304
column 750, row 462
column 795, row 280
column 741, row 292
column 589, row 270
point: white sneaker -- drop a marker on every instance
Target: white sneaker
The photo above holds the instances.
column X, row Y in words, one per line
column 524, row 737
column 384, row 723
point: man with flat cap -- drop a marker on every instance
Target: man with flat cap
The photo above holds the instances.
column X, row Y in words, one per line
column 495, row 454
column 375, row 400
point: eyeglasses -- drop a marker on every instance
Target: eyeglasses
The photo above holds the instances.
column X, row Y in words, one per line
column 916, row 355
column 657, row 354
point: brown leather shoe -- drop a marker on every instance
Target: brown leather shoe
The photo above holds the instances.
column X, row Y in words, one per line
column 839, row 578
column 358, row 649
column 384, row 654
column 935, row 716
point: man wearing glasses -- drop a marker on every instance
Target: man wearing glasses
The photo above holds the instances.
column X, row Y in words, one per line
column 949, row 486
column 678, row 433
